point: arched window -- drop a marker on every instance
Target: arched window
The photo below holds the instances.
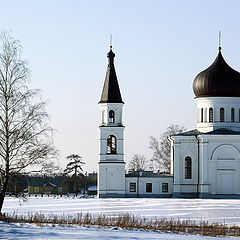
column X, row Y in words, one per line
column 111, row 116
column 201, row 114
column 188, row 168
column 111, row 145
column 232, row 115
column 221, row 114
column 210, row 114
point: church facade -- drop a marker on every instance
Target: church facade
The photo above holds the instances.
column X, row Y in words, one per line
column 205, row 161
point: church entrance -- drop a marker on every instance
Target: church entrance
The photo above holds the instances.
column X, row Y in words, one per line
column 226, row 182
column 225, row 170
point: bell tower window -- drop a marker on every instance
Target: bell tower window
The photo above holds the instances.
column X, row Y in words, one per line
column 232, row 115
column 210, row 114
column 221, row 114
column 111, row 116
column 111, row 145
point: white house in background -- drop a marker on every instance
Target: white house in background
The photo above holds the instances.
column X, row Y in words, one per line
column 205, row 161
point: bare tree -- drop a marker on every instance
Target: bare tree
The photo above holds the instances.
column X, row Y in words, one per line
column 74, row 168
column 50, row 168
column 161, row 147
column 25, row 136
column 138, row 163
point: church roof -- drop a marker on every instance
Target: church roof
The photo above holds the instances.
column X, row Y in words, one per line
column 220, row 131
column 193, row 132
column 147, row 174
column 111, row 92
column 218, row 80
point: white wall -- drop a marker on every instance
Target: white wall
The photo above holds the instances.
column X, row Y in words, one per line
column 222, row 164
column 219, row 164
column 184, row 146
column 216, row 103
column 111, row 174
column 111, row 179
column 104, row 110
column 156, row 185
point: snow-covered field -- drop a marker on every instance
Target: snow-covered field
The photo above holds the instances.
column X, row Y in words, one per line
column 212, row 210
column 27, row 232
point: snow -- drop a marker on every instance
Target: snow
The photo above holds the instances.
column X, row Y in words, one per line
column 213, row 210
column 16, row 231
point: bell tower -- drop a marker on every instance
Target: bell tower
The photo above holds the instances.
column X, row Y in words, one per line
column 111, row 171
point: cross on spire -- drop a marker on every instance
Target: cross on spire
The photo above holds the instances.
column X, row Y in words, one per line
column 219, row 40
column 110, row 41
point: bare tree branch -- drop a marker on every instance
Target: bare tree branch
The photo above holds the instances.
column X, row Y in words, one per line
column 25, row 136
column 161, row 148
column 138, row 163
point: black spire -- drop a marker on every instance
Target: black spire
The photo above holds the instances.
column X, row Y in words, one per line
column 111, row 92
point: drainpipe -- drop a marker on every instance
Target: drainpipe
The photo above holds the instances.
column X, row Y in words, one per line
column 198, row 154
column 173, row 160
column 172, row 150
column 138, row 184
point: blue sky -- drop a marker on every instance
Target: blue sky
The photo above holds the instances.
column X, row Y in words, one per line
column 160, row 47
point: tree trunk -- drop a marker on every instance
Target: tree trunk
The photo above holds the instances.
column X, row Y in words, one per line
column 3, row 191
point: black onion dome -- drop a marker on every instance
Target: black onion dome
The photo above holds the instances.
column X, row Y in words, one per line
column 219, row 80
column 111, row 91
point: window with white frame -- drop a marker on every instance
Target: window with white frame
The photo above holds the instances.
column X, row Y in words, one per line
column 111, row 116
column 188, row 168
column 111, row 144
column 221, row 114
column 132, row 187
column 149, row 187
column 164, row 187
column 210, row 114
column 232, row 115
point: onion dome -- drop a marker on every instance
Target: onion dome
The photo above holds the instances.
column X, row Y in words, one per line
column 111, row 91
column 218, row 80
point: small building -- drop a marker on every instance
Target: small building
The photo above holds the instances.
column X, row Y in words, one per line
column 47, row 185
column 148, row 184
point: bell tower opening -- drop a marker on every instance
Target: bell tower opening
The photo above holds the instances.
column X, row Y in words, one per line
column 111, row 116
column 111, row 145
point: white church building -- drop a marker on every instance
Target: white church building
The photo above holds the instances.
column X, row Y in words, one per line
column 205, row 162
